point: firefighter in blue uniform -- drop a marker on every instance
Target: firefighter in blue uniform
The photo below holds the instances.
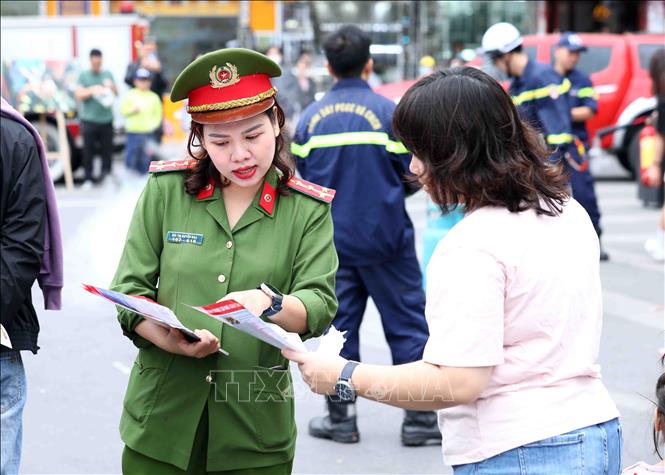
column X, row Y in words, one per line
column 542, row 97
column 583, row 106
column 344, row 141
column 538, row 91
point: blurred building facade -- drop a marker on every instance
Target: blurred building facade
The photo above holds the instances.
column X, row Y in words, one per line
column 402, row 31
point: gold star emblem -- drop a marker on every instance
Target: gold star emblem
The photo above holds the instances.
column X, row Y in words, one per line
column 224, row 76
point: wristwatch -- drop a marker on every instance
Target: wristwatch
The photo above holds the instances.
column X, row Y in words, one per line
column 276, row 298
column 343, row 387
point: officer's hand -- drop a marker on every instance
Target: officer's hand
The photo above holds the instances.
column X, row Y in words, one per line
column 319, row 371
column 200, row 349
column 256, row 301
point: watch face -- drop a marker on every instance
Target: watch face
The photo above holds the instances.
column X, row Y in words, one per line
column 345, row 391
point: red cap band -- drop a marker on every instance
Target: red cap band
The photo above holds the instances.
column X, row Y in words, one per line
column 246, row 87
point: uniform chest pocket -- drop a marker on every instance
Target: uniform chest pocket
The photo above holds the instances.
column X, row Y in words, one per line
column 145, row 383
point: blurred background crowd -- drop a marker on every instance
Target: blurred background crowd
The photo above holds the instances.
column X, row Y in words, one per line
column 409, row 39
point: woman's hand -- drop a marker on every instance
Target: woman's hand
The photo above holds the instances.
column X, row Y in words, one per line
column 320, row 372
column 174, row 341
column 207, row 345
column 255, row 300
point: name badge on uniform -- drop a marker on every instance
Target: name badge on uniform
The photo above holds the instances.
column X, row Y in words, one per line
column 184, row 238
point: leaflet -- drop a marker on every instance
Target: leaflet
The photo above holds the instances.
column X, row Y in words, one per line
column 234, row 314
column 159, row 314
column 229, row 312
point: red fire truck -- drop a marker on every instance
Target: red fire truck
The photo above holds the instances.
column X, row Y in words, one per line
column 619, row 69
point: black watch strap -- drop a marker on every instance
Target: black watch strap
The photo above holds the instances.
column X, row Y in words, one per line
column 276, row 298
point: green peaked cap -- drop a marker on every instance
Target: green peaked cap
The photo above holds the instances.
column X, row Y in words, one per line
column 197, row 73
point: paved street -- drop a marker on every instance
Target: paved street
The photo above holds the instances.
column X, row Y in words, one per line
column 77, row 381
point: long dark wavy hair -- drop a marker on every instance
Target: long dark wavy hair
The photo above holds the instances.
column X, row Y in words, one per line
column 475, row 149
column 199, row 176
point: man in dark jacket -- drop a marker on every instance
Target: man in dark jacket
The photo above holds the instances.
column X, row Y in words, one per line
column 22, row 217
column 583, row 101
column 345, row 142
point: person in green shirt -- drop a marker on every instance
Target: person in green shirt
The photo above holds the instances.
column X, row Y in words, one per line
column 255, row 234
column 96, row 91
column 143, row 111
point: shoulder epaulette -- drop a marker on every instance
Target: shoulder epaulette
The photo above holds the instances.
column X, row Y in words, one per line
column 318, row 192
column 161, row 166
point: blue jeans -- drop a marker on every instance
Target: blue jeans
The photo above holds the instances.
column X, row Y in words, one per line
column 12, row 400
column 136, row 157
column 593, row 450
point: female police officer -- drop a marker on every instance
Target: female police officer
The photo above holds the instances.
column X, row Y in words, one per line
column 231, row 222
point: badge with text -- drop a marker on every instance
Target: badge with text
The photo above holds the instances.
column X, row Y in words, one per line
column 184, row 238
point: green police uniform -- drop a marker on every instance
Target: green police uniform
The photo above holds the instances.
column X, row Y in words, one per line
column 181, row 252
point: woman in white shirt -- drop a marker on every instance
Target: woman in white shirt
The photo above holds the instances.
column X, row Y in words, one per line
column 514, row 301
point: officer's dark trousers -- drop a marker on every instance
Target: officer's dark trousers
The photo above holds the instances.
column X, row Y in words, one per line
column 584, row 191
column 396, row 289
column 97, row 138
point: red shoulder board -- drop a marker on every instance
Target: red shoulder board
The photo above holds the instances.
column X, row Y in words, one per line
column 308, row 188
column 160, row 166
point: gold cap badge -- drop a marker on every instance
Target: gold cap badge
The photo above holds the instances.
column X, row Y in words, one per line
column 224, row 76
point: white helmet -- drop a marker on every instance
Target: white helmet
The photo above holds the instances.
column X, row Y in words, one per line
column 500, row 38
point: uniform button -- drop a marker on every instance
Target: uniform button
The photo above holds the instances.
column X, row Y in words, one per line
column 221, row 278
column 209, row 379
column 229, row 244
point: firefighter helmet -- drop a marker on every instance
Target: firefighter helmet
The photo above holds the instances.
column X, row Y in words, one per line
column 501, row 38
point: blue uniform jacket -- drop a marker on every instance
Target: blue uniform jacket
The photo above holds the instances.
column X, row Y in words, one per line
column 581, row 94
column 345, row 142
column 541, row 96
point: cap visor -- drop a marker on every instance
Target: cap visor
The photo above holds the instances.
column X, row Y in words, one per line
column 233, row 115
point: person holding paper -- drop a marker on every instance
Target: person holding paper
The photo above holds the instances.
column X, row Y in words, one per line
column 514, row 302
column 229, row 223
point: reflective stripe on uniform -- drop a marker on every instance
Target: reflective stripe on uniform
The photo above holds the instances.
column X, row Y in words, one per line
column 558, row 139
column 540, row 93
column 586, row 92
column 347, row 138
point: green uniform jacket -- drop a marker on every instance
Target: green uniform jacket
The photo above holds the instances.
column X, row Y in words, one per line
column 251, row 422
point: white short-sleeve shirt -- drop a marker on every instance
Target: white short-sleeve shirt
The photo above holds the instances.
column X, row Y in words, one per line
column 519, row 292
